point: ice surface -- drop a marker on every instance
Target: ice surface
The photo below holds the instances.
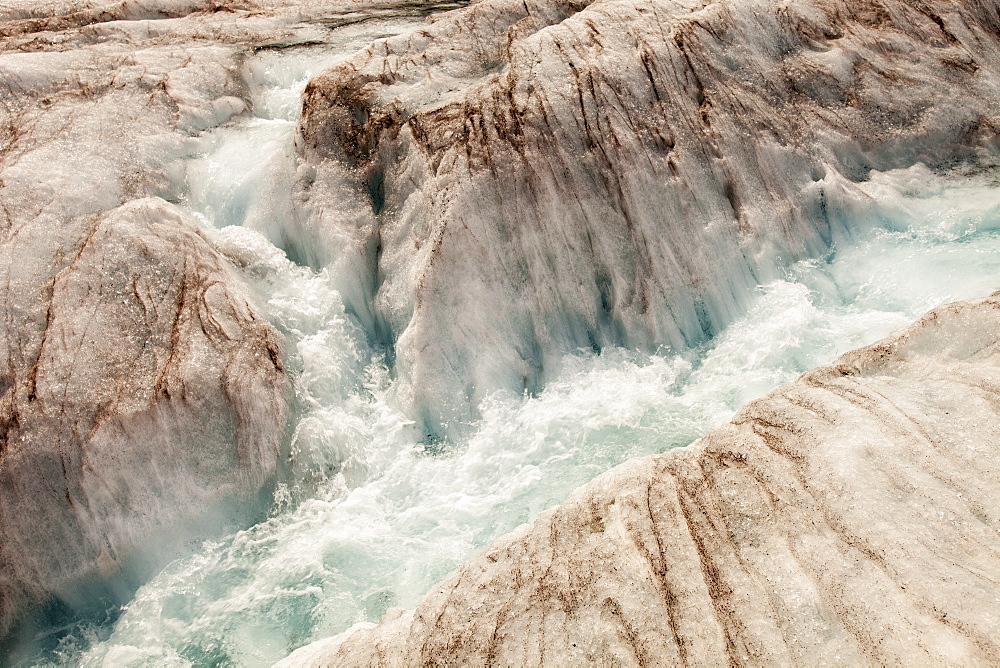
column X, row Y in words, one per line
column 370, row 508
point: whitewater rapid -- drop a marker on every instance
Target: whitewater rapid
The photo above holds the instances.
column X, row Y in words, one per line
column 367, row 515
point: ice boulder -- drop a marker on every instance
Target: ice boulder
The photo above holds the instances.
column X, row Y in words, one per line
column 143, row 401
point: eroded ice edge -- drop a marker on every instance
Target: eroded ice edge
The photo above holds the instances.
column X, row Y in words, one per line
column 368, row 517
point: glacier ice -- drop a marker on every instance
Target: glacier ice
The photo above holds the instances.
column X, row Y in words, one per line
column 144, row 401
column 488, row 258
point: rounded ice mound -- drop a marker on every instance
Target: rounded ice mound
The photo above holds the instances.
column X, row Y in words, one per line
column 143, row 403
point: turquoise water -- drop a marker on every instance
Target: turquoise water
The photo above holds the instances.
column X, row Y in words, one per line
column 368, row 518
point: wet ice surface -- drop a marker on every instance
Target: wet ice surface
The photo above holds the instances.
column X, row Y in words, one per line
column 367, row 516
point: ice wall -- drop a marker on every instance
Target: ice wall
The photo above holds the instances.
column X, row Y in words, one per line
column 527, row 179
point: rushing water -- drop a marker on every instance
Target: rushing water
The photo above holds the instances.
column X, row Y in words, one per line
column 367, row 517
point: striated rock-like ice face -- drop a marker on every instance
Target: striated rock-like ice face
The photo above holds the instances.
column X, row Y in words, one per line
column 848, row 517
column 534, row 178
column 143, row 401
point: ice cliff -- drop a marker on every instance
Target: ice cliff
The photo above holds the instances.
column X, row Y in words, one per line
column 531, row 178
column 848, row 517
column 141, row 395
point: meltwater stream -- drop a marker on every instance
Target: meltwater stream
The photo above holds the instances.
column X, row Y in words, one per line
column 367, row 517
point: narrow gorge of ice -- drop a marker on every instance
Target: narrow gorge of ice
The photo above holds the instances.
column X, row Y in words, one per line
column 368, row 517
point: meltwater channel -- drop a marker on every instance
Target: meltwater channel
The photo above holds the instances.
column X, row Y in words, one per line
column 368, row 518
